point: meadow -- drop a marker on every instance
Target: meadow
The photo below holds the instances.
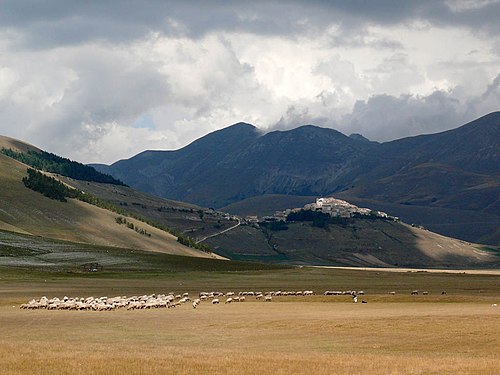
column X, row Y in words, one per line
column 390, row 334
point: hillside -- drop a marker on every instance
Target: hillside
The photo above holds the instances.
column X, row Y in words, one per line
column 359, row 243
column 454, row 170
column 25, row 211
column 267, row 204
column 16, row 145
column 355, row 244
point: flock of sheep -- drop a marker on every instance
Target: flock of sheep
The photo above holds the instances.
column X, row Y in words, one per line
column 151, row 301
column 171, row 300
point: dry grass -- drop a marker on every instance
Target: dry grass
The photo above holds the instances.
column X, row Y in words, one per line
column 402, row 334
column 27, row 211
column 252, row 337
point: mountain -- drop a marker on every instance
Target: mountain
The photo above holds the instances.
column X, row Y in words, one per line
column 456, row 170
column 28, row 212
column 238, row 162
column 355, row 242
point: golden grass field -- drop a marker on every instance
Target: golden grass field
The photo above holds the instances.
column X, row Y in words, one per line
column 452, row 334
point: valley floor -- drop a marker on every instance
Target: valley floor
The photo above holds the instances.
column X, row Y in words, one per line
column 391, row 334
column 431, row 270
column 256, row 338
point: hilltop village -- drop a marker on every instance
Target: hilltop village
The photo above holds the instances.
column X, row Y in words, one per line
column 331, row 206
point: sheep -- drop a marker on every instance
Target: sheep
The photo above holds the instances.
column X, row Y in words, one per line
column 151, row 301
column 392, row 293
column 414, row 292
column 425, row 293
column 133, row 306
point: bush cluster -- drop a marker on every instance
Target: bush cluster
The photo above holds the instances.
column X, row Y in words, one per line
column 122, row 221
column 188, row 241
column 48, row 186
column 319, row 219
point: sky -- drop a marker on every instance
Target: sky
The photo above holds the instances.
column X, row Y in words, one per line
column 98, row 81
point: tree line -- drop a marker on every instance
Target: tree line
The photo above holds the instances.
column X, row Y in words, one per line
column 48, row 162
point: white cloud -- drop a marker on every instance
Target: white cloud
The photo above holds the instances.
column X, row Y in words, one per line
column 98, row 86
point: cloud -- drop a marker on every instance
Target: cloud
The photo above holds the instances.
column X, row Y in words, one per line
column 99, row 81
column 385, row 117
column 60, row 23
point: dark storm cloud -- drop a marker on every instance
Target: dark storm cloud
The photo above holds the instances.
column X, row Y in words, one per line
column 38, row 24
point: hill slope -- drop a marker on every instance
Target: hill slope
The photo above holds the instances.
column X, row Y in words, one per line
column 361, row 242
column 456, row 169
column 25, row 211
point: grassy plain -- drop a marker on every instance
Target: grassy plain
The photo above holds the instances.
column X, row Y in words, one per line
column 455, row 333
